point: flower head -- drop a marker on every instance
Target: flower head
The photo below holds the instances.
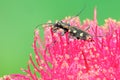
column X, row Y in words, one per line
column 61, row 57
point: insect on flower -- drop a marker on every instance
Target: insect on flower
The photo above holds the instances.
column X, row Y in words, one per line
column 72, row 30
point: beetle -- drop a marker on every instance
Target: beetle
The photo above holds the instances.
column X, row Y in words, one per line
column 72, row 30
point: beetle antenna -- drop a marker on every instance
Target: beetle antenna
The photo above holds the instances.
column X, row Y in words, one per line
column 43, row 24
column 80, row 11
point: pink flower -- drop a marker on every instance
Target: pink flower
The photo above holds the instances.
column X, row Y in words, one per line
column 64, row 58
column 61, row 57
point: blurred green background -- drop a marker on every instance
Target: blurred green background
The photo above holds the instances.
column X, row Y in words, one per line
column 18, row 19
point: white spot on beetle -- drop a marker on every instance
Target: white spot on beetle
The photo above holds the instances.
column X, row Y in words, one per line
column 81, row 34
column 74, row 31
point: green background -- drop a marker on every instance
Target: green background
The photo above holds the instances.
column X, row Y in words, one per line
column 18, row 19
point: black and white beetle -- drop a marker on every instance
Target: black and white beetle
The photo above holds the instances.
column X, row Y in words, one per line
column 72, row 30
